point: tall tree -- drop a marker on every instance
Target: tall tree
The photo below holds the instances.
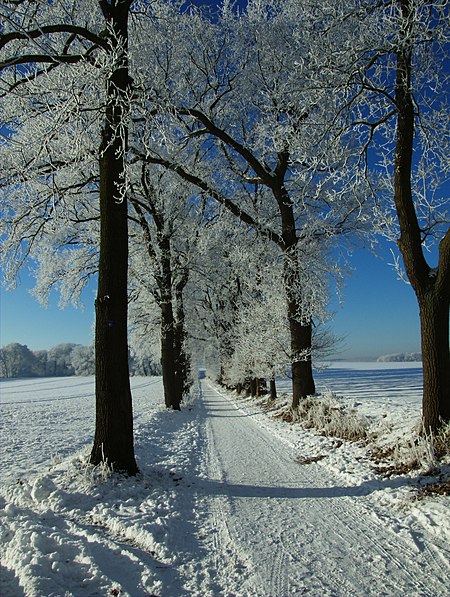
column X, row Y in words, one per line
column 400, row 105
column 38, row 42
column 114, row 420
column 166, row 217
column 267, row 135
column 431, row 285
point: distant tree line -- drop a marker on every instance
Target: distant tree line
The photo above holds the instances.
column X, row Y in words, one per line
column 17, row 360
column 400, row 357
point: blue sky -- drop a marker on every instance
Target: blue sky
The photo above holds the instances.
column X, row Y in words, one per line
column 379, row 314
column 25, row 321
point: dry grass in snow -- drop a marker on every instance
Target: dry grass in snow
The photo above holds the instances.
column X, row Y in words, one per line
column 331, row 418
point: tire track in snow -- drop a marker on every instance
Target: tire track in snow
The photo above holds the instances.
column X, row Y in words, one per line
column 231, row 550
column 229, row 562
column 279, row 572
column 304, row 534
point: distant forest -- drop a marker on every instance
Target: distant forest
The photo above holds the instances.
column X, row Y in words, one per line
column 17, row 360
column 400, row 357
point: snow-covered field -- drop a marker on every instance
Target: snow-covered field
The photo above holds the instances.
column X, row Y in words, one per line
column 224, row 503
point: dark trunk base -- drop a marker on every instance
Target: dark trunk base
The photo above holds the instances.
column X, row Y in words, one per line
column 302, row 381
column 434, row 323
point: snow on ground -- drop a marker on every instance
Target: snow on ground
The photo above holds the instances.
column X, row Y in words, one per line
column 222, row 505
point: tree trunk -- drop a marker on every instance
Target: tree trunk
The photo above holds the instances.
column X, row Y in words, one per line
column 273, row 389
column 168, row 358
column 181, row 358
column 302, row 377
column 299, row 327
column 301, row 341
column 221, row 375
column 434, row 325
column 168, row 352
column 113, row 442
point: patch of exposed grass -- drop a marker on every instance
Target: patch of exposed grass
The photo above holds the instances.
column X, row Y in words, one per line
column 309, row 459
column 441, row 442
column 420, row 451
column 441, row 487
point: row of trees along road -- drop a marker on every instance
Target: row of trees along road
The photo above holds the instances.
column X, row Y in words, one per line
column 137, row 136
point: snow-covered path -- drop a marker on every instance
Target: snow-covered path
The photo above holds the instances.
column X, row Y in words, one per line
column 294, row 529
column 222, row 505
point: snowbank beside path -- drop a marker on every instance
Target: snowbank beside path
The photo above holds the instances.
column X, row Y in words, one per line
column 70, row 529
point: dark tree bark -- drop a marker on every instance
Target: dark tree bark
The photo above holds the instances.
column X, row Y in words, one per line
column 221, row 376
column 168, row 352
column 434, row 326
column 113, row 441
column 171, row 345
column 181, row 357
column 273, row 389
column 432, row 287
column 168, row 359
column 300, row 329
column 301, row 337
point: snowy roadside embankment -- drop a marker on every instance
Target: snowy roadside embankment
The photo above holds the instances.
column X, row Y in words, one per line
column 71, row 530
